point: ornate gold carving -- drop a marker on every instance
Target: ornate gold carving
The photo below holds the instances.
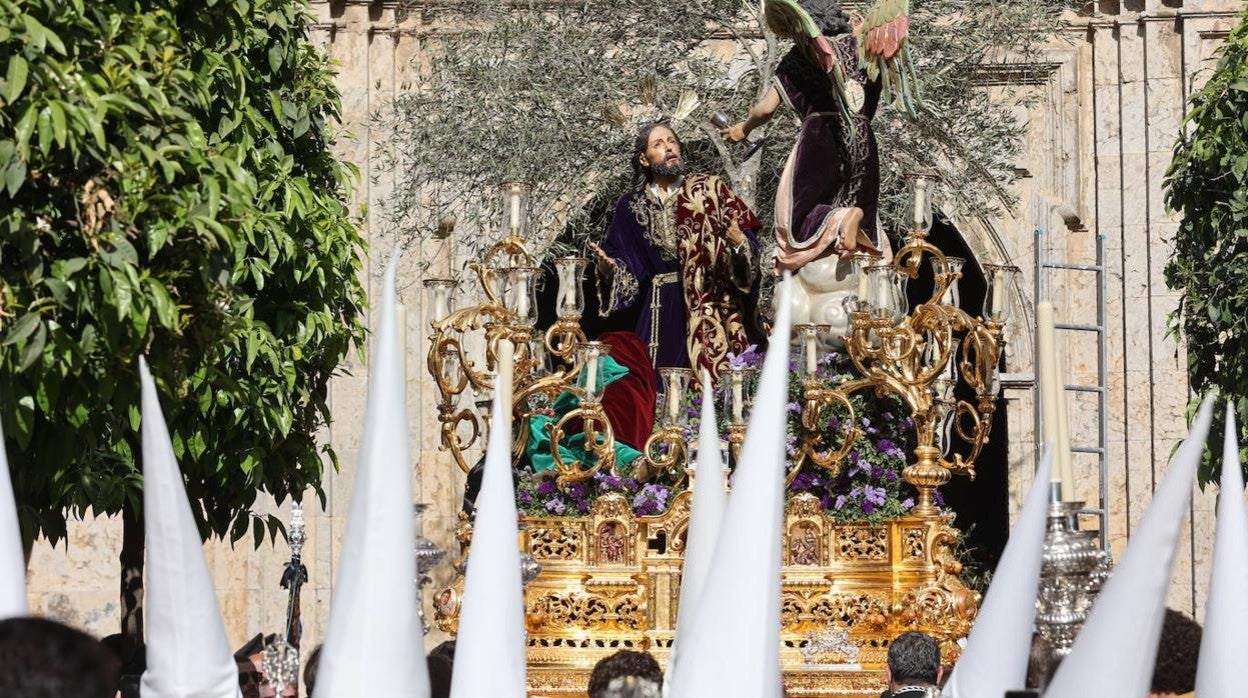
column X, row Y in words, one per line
column 555, row 542
column 874, row 580
column 861, row 543
column 914, row 543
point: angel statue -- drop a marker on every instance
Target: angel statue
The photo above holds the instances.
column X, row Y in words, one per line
column 833, row 77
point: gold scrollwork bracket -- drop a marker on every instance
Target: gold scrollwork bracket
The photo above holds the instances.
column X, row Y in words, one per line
column 601, row 449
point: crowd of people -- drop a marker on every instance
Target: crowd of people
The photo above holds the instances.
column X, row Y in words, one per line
column 41, row 658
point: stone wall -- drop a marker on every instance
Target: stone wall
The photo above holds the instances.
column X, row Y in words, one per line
column 1111, row 95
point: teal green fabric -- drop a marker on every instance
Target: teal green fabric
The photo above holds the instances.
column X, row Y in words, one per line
column 573, row 447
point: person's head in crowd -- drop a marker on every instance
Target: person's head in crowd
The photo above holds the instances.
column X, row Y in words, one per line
column 440, row 668
column 621, row 664
column 45, row 659
column 131, row 659
column 249, row 678
column 309, row 670
column 913, row 662
column 1174, row 672
column 632, row 687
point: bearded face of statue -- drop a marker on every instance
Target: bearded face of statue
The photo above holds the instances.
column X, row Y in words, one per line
column 662, row 154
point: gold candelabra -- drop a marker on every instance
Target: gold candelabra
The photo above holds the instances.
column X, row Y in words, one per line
column 508, row 278
column 916, row 356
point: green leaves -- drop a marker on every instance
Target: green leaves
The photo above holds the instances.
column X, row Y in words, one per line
column 1207, row 183
column 155, row 200
column 15, row 78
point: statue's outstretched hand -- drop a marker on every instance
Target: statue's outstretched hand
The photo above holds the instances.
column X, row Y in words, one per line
column 606, row 266
column 734, row 133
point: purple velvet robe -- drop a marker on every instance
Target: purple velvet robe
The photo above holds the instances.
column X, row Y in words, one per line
column 672, row 256
column 835, row 164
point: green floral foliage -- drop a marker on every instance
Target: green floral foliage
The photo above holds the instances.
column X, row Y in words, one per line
column 169, row 190
column 1208, row 184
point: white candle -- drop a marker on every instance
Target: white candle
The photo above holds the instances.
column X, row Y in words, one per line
column 522, row 296
column 862, row 283
column 514, row 218
column 812, row 357
column 920, row 207
column 1053, row 402
column 738, row 399
column 564, row 302
column 591, row 372
column 441, row 305
column 673, row 401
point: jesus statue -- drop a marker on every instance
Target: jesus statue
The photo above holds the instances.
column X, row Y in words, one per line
column 687, row 247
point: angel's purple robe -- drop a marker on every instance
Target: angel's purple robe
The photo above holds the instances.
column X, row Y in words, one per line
column 834, row 164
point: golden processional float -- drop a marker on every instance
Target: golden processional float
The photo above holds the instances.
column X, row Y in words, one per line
column 605, row 574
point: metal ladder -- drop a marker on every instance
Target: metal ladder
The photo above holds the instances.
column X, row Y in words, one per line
column 1045, row 267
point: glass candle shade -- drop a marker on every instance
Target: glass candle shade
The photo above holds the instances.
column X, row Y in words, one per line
column 675, row 384
column 519, row 292
column 808, row 344
column 945, row 415
column 887, row 291
column 922, row 190
column 592, row 355
column 949, row 267
column 516, row 198
column 1001, row 277
column 537, row 351
column 860, row 262
column 438, row 299
column 570, row 301
column 736, row 394
column 451, row 369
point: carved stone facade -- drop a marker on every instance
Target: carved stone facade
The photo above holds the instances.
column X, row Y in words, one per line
column 1112, row 95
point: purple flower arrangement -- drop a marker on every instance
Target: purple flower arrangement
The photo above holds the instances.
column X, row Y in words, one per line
column 868, row 487
column 537, row 494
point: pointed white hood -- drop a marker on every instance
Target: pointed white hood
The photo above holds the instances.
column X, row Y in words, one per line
column 706, row 515
column 12, row 559
column 733, row 648
column 997, row 651
column 1114, row 653
column 490, row 647
column 1219, row 670
column 188, row 655
column 374, row 645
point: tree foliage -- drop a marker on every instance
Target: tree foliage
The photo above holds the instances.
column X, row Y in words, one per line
column 523, row 90
column 169, row 190
column 1208, row 184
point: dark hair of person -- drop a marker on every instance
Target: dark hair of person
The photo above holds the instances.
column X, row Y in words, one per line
column 1177, row 652
column 312, row 666
column 642, row 175
column 45, row 659
column 623, row 663
column 440, row 668
column 914, row 658
column 828, row 16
